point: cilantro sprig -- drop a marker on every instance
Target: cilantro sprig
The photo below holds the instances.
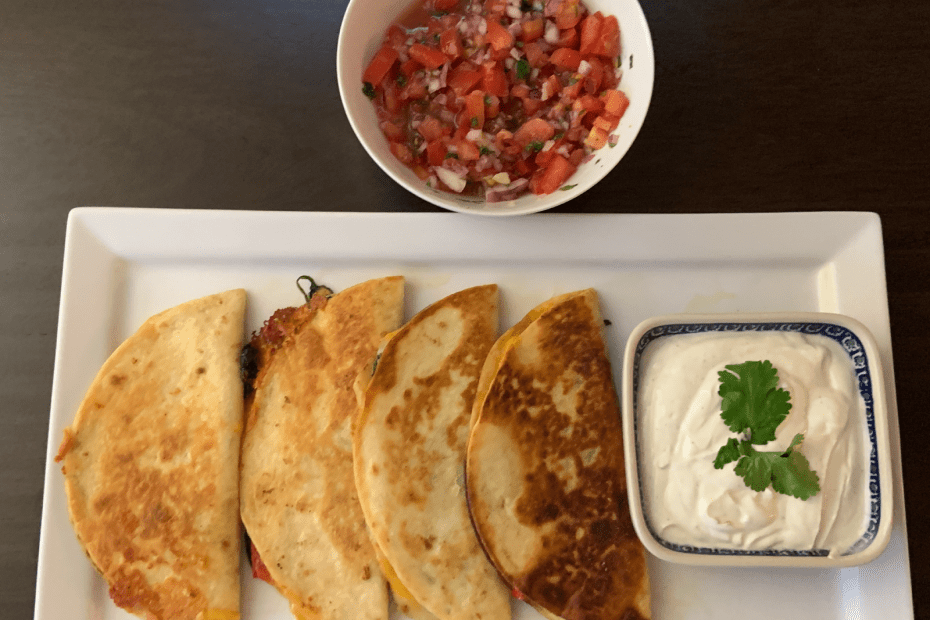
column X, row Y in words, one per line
column 754, row 406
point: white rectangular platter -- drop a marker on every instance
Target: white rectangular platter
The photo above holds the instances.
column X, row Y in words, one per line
column 123, row 265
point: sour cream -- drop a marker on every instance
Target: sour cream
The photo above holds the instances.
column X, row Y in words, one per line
column 688, row 502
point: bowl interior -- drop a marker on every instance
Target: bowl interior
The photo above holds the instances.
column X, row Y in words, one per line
column 865, row 365
column 360, row 36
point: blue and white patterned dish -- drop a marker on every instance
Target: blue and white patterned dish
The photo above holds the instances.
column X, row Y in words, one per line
column 858, row 343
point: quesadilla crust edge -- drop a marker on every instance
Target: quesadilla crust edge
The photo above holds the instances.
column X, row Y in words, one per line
column 409, row 447
column 545, row 473
column 299, row 502
column 150, row 463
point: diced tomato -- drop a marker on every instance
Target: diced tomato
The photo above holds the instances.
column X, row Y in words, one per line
column 413, row 90
column 575, row 157
column 520, row 90
column 379, row 66
column 544, row 157
column 427, row 56
column 532, row 29
column 492, row 106
column 568, row 38
column 535, row 55
column 548, row 179
column 474, row 109
column 435, row 153
column 396, row 37
column 590, row 33
column 573, row 89
column 589, row 104
column 531, row 106
column 503, row 139
column 533, row 130
column 615, row 102
column 567, row 58
column 444, row 5
column 495, row 8
column 410, row 67
column 609, row 39
column 523, row 167
column 392, row 131
column 592, row 81
column 463, row 78
column 494, row 80
column 451, row 43
column 421, row 172
column 574, row 134
column 401, row 152
column 392, row 100
column 431, row 128
column 597, row 137
column 568, row 15
column 550, row 87
column 605, row 122
column 467, row 150
column 498, row 36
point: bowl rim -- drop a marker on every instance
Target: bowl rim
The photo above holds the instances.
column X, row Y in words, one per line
column 457, row 204
column 877, row 532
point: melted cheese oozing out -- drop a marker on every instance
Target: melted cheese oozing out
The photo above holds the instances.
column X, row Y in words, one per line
column 687, row 501
column 396, row 585
column 220, row 614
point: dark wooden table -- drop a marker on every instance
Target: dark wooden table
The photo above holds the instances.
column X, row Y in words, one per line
column 759, row 105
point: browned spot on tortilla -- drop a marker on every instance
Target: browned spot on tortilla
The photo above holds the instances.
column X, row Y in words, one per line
column 598, row 574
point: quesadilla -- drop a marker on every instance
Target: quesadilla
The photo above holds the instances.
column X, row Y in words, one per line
column 545, row 473
column 298, row 499
column 409, row 448
column 151, row 464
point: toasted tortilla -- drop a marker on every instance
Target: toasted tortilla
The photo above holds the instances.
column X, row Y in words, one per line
column 151, row 464
column 545, row 473
column 298, row 498
column 409, row 448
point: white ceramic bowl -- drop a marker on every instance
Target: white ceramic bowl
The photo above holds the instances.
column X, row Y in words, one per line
column 362, row 33
column 870, row 533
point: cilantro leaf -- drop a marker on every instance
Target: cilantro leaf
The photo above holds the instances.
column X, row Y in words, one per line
column 792, row 475
column 727, row 453
column 523, row 69
column 752, row 400
column 755, row 470
column 795, row 442
column 752, row 403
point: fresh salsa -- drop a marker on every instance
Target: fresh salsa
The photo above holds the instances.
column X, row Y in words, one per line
column 497, row 98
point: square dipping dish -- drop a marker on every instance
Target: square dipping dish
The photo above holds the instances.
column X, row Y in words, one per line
column 685, row 510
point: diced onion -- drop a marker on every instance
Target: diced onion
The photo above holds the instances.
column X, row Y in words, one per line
column 552, row 32
column 455, row 182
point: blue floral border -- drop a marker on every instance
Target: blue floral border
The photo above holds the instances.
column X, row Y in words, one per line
column 856, row 351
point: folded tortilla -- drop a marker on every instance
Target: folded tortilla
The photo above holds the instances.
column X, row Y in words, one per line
column 545, row 473
column 409, row 448
column 151, row 464
column 298, row 497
